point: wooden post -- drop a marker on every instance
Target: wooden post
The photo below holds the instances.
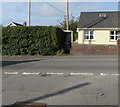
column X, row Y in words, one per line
column 67, row 15
column 29, row 11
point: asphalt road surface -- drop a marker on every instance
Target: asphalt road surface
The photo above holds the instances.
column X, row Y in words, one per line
column 60, row 80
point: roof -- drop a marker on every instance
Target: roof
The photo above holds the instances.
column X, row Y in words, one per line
column 93, row 20
column 14, row 24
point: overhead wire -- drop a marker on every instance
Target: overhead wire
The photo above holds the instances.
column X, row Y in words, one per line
column 53, row 7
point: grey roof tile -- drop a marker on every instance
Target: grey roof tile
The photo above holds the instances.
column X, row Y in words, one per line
column 92, row 20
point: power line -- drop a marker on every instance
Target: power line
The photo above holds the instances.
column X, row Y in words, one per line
column 53, row 7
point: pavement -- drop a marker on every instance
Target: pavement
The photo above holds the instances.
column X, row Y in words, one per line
column 60, row 80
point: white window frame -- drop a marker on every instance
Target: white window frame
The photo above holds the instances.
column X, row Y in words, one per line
column 88, row 34
column 114, row 35
column 104, row 15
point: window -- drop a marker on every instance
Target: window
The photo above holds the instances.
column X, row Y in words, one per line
column 88, row 35
column 114, row 35
column 103, row 15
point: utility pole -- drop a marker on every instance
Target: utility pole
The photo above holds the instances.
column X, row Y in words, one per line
column 29, row 11
column 67, row 15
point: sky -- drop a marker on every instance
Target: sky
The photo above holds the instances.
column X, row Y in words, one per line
column 47, row 13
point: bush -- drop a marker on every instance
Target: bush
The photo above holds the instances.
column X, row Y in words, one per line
column 35, row 40
column 75, row 36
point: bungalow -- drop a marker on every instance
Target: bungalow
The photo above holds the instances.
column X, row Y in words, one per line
column 16, row 24
column 99, row 28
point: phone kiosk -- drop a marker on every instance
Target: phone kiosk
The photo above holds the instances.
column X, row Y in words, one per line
column 68, row 40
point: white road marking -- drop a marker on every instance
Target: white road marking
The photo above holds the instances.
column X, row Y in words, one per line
column 55, row 73
column 60, row 73
column 81, row 74
column 26, row 73
column 116, row 74
column 11, row 73
column 103, row 74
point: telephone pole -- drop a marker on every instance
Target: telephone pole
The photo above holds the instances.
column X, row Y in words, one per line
column 29, row 11
column 67, row 15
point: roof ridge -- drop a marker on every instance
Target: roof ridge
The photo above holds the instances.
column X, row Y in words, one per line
column 102, row 12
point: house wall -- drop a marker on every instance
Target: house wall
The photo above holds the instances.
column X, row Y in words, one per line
column 101, row 37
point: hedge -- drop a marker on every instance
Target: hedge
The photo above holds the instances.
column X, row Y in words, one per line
column 42, row 40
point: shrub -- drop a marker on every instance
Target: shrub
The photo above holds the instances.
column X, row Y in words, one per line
column 75, row 36
column 33, row 40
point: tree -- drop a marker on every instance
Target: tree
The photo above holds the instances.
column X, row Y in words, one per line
column 62, row 23
column 1, row 26
column 73, row 23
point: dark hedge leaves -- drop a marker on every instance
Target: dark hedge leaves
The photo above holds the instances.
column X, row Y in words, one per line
column 33, row 40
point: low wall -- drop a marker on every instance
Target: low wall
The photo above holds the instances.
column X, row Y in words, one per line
column 82, row 49
column 118, row 44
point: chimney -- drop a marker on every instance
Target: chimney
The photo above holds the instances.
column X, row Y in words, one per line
column 25, row 23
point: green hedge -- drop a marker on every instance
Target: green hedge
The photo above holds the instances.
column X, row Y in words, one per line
column 34, row 40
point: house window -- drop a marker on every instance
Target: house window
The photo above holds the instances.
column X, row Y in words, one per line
column 114, row 35
column 103, row 15
column 88, row 35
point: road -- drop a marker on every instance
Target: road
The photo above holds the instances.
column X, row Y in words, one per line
column 61, row 80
